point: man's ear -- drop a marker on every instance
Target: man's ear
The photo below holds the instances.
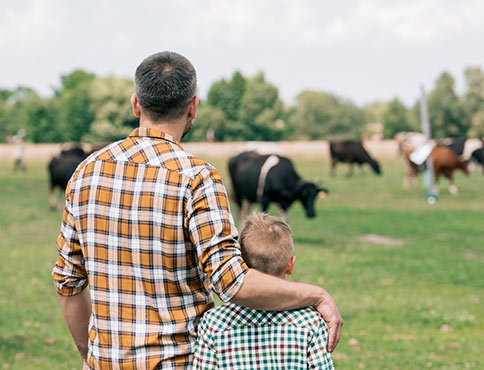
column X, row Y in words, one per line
column 290, row 265
column 192, row 109
column 135, row 105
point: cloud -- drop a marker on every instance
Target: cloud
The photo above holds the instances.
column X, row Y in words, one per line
column 415, row 22
column 31, row 28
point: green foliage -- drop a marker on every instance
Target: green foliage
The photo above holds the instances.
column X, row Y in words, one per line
column 210, row 120
column 110, row 102
column 320, row 115
column 74, row 80
column 395, row 119
column 446, row 111
column 474, row 100
column 89, row 108
column 251, row 107
column 373, row 112
column 227, row 95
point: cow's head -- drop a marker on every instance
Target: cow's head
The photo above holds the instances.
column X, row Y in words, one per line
column 376, row 167
column 307, row 193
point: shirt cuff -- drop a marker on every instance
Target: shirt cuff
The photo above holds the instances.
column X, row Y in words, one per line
column 231, row 278
column 68, row 286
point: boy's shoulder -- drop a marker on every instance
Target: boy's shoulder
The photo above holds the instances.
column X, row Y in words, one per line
column 231, row 315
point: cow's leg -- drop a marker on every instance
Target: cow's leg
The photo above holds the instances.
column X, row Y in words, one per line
column 283, row 213
column 452, row 188
column 52, row 201
column 436, row 188
column 350, row 171
column 244, row 212
column 333, row 167
column 407, row 179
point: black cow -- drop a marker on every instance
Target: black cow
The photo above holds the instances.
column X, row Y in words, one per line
column 467, row 149
column 350, row 151
column 266, row 178
column 61, row 168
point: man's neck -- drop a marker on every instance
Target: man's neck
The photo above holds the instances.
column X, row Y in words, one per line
column 173, row 128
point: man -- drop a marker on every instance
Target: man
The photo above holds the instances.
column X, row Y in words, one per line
column 149, row 227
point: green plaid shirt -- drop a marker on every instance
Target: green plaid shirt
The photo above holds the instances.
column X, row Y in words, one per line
column 235, row 337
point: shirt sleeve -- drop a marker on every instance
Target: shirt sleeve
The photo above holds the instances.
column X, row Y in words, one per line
column 318, row 356
column 212, row 231
column 69, row 274
column 205, row 356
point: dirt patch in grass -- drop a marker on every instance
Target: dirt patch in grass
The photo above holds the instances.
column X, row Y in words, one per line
column 380, row 239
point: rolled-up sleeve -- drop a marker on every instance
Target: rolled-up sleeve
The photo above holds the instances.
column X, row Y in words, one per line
column 69, row 274
column 212, row 231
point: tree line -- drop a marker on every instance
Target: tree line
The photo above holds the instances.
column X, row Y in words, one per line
column 90, row 108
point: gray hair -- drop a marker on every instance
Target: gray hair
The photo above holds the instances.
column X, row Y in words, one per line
column 165, row 84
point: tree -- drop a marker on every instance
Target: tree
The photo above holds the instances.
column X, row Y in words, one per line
column 27, row 110
column 446, row 113
column 395, row 119
column 74, row 106
column 110, row 102
column 320, row 115
column 262, row 113
column 74, row 80
column 373, row 112
column 474, row 100
column 209, row 120
column 227, row 95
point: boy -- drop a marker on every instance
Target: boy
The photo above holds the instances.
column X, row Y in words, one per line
column 234, row 337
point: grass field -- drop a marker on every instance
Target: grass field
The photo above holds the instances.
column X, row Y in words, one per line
column 418, row 304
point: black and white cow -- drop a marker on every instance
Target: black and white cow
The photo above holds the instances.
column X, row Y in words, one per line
column 350, row 151
column 269, row 178
column 467, row 149
column 61, row 168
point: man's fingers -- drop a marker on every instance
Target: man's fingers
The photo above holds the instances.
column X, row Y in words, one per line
column 334, row 336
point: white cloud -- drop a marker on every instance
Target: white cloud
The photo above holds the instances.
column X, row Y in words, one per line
column 31, row 28
column 416, row 22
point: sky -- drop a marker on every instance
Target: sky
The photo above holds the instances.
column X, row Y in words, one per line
column 363, row 50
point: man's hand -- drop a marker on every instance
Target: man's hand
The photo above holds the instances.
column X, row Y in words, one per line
column 327, row 308
column 77, row 311
column 84, row 365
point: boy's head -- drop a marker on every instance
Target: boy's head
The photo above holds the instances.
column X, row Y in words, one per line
column 267, row 245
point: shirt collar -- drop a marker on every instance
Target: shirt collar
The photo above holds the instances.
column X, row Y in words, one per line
column 153, row 134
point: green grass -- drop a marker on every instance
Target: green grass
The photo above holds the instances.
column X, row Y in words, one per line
column 417, row 305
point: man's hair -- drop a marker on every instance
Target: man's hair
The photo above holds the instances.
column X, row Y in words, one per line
column 266, row 243
column 165, row 84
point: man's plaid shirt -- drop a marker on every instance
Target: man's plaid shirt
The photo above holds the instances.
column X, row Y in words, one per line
column 149, row 228
column 235, row 337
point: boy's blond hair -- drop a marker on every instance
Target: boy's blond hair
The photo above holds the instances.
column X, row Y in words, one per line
column 266, row 243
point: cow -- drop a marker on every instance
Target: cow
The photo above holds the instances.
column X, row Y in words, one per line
column 269, row 178
column 445, row 162
column 472, row 149
column 61, row 168
column 350, row 151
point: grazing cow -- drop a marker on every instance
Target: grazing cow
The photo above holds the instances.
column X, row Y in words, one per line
column 267, row 178
column 445, row 162
column 61, row 168
column 472, row 149
column 350, row 151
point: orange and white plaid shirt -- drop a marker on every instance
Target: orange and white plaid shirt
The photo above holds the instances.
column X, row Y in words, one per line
column 148, row 227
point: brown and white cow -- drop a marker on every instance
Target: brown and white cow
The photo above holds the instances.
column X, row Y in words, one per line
column 445, row 162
